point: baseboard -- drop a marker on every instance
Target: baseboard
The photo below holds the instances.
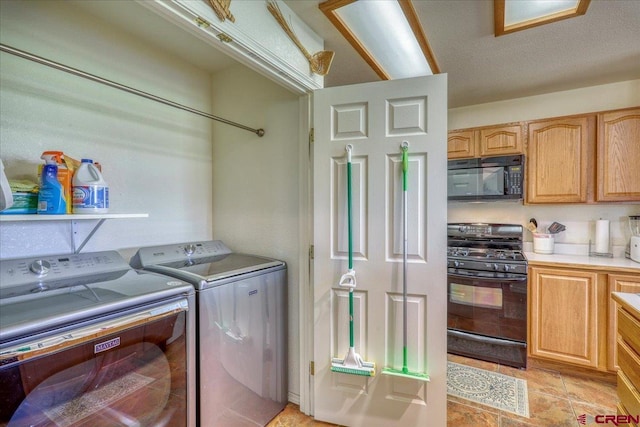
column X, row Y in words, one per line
column 565, row 368
column 294, row 398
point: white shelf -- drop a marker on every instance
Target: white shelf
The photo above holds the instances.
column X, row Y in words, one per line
column 73, row 219
column 69, row 217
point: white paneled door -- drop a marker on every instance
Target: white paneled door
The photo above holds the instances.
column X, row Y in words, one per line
column 375, row 118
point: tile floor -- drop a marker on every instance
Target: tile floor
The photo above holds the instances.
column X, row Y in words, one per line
column 556, row 399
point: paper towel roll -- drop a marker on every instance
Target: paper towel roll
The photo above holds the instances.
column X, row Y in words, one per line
column 602, row 236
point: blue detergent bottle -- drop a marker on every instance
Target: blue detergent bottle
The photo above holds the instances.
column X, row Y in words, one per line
column 51, row 199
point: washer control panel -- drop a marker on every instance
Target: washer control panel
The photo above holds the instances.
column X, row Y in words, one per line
column 158, row 255
column 15, row 272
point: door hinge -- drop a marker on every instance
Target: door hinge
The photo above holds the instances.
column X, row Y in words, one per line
column 312, row 136
column 311, row 252
column 224, row 38
column 202, row 23
column 312, row 368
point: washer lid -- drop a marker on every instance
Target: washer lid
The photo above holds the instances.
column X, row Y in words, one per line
column 212, row 269
column 202, row 263
column 74, row 288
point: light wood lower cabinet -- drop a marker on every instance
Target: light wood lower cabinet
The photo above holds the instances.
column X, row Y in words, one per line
column 617, row 283
column 573, row 317
column 563, row 315
column 628, row 328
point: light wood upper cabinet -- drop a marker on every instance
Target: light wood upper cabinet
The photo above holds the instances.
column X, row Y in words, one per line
column 617, row 283
column 462, row 144
column 488, row 141
column 501, row 140
column 575, row 159
column 560, row 157
column 618, row 161
column 563, row 307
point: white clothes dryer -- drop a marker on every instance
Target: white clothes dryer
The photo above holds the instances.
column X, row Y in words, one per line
column 241, row 328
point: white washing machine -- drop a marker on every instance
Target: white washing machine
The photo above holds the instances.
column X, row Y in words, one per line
column 85, row 340
column 241, row 328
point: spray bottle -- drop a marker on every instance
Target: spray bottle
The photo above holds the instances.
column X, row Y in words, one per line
column 65, row 172
column 51, row 198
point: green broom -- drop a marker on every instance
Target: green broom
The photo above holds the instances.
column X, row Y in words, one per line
column 352, row 362
column 405, row 372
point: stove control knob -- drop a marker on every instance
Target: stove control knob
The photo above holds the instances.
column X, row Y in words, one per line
column 40, row 267
column 456, row 263
column 507, row 267
column 495, row 267
column 189, row 249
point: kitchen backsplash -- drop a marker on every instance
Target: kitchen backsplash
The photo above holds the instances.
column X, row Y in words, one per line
column 579, row 220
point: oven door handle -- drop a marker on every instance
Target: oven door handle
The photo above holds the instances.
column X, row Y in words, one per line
column 484, row 339
column 499, row 279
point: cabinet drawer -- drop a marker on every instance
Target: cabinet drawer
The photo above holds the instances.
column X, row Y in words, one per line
column 629, row 362
column 628, row 394
column 629, row 329
column 621, row 410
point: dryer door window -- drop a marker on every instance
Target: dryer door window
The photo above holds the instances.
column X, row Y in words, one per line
column 126, row 371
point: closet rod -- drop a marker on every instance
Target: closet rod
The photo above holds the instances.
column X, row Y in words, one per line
column 75, row 71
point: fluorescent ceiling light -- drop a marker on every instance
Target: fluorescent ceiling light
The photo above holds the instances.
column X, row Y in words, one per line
column 517, row 15
column 386, row 33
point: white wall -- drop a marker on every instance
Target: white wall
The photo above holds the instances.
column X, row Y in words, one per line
column 596, row 98
column 256, row 202
column 579, row 219
column 156, row 159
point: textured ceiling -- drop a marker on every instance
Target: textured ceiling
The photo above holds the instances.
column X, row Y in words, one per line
column 600, row 47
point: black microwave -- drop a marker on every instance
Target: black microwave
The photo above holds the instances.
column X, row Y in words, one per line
column 491, row 178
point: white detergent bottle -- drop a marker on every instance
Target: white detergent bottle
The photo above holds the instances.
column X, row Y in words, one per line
column 90, row 190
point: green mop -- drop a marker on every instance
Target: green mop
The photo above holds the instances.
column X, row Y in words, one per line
column 352, row 362
column 405, row 372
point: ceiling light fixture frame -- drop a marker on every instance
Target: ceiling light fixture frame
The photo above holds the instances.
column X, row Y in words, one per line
column 499, row 7
column 330, row 7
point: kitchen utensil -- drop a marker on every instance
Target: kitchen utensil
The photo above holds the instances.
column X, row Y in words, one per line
column 320, row 62
column 634, row 243
column 556, row 228
column 543, row 243
column 634, row 225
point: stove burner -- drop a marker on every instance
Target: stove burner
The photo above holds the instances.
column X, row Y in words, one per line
column 506, row 255
column 486, row 247
column 500, row 254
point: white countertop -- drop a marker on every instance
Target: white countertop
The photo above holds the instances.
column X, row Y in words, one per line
column 583, row 260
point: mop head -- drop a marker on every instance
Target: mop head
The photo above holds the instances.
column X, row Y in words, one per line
column 406, row 373
column 353, row 364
